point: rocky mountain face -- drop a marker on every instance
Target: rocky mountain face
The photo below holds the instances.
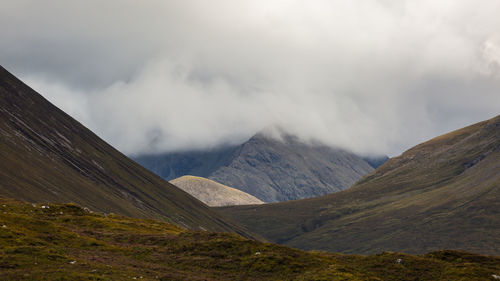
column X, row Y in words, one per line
column 441, row 194
column 47, row 156
column 200, row 163
column 269, row 169
column 213, row 193
column 281, row 170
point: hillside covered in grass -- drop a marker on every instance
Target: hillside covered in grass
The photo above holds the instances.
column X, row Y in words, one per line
column 67, row 242
column 441, row 194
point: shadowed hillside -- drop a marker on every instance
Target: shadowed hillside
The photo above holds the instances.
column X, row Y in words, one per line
column 47, row 156
column 441, row 194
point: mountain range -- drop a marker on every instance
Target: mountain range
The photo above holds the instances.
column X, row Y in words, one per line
column 125, row 222
column 268, row 168
column 441, row 194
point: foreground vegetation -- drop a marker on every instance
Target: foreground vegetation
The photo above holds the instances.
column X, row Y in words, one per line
column 67, row 242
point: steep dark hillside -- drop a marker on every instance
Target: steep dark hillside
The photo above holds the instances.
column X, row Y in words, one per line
column 441, row 194
column 269, row 169
column 66, row 242
column 47, row 156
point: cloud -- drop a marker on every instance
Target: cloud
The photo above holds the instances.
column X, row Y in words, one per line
column 370, row 76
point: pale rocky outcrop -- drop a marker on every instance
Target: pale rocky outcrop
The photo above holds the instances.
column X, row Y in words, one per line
column 213, row 193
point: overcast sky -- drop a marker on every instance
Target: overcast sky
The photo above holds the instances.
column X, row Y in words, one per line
column 153, row 76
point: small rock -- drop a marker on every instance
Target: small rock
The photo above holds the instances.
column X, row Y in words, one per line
column 4, row 205
column 72, row 262
column 61, row 213
column 257, row 253
column 495, row 276
column 4, row 226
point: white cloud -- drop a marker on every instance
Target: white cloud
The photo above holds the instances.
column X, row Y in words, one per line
column 372, row 76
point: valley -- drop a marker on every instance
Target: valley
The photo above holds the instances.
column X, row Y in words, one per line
column 74, row 208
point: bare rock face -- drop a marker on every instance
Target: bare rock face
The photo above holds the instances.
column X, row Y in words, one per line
column 213, row 193
column 270, row 169
column 280, row 170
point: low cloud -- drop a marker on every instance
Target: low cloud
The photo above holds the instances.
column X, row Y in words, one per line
column 370, row 76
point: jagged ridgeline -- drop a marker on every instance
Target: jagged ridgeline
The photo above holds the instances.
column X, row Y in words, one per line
column 47, row 156
column 270, row 169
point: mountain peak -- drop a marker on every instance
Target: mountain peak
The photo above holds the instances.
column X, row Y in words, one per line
column 273, row 166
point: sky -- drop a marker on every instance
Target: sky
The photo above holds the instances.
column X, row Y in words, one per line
column 374, row 77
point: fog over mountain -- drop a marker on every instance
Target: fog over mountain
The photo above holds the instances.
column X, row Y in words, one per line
column 370, row 76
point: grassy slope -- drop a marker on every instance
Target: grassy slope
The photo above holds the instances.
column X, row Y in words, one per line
column 66, row 242
column 442, row 194
column 48, row 156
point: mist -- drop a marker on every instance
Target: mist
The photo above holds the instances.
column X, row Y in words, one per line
column 374, row 77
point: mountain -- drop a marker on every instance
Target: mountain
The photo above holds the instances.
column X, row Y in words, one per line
column 441, row 194
column 201, row 163
column 47, row 156
column 67, row 242
column 269, row 169
column 376, row 161
column 213, row 193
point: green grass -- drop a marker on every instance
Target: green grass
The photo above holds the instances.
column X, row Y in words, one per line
column 66, row 242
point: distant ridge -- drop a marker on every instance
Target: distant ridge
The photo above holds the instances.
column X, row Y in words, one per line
column 441, row 194
column 47, row 156
column 269, row 169
column 213, row 193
